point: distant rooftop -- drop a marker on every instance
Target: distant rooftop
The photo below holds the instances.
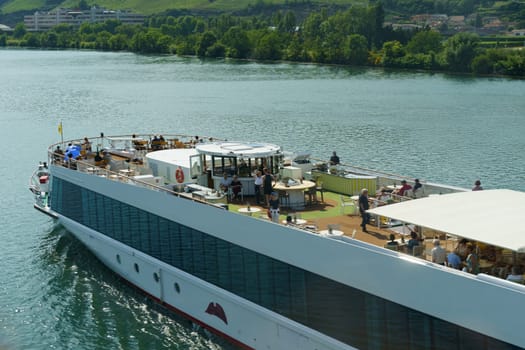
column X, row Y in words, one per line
column 4, row 28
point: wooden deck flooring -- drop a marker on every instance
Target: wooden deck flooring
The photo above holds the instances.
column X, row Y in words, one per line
column 316, row 215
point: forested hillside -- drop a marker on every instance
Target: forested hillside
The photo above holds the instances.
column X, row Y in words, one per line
column 339, row 33
column 356, row 36
column 12, row 11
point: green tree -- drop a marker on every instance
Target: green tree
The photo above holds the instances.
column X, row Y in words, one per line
column 269, row 47
column 129, row 30
column 102, row 42
column 3, row 40
column 31, row 40
column 118, row 42
column 482, row 64
column 145, row 42
column 513, row 64
column 237, row 43
column 85, row 28
column 312, row 25
column 460, row 49
column 207, row 39
column 19, row 31
column 288, row 23
column 49, row 39
column 356, row 49
column 216, row 50
column 295, row 51
column 392, row 52
column 425, row 42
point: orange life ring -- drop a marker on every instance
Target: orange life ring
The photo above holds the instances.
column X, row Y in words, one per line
column 179, row 175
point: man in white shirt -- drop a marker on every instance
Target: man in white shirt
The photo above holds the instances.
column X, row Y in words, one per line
column 225, row 183
column 439, row 255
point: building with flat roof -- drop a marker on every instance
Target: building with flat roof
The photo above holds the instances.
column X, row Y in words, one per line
column 42, row 21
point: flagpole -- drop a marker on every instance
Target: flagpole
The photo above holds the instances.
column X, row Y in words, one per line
column 61, row 133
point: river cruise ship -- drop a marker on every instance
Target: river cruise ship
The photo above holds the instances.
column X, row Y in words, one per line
column 162, row 213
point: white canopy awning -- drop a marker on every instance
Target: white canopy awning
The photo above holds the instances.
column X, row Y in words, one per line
column 489, row 216
column 238, row 149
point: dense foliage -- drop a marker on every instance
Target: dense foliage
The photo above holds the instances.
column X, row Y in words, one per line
column 356, row 36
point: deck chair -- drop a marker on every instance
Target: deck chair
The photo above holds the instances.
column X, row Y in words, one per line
column 239, row 195
column 348, row 202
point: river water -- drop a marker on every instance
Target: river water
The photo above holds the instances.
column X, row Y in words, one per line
column 55, row 295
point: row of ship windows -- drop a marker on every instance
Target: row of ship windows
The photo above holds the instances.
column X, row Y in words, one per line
column 156, row 276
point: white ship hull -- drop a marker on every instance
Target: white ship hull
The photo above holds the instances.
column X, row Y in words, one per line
column 405, row 280
column 247, row 324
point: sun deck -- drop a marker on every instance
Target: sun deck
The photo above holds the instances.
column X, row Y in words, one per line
column 330, row 213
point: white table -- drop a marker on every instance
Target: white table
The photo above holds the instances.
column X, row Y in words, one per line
column 296, row 222
column 209, row 196
column 248, row 211
column 333, row 233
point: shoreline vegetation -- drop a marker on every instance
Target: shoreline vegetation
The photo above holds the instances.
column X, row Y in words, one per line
column 353, row 37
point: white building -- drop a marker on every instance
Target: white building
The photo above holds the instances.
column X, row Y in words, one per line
column 42, row 21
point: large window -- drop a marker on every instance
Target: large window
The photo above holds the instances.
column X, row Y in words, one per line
column 244, row 166
column 354, row 317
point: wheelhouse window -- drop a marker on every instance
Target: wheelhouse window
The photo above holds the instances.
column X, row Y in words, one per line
column 244, row 166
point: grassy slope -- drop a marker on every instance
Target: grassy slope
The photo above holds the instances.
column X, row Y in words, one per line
column 22, row 5
column 148, row 7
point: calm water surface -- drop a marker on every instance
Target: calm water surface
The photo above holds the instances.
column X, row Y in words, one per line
column 55, row 295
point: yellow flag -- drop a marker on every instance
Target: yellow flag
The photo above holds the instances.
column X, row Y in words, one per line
column 60, row 128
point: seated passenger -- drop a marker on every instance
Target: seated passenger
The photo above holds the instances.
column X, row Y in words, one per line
column 417, row 190
column 225, row 183
column 382, row 196
column 156, row 143
column 86, row 145
column 58, row 154
column 236, row 187
column 98, row 159
column 453, row 260
column 412, row 242
column 403, row 189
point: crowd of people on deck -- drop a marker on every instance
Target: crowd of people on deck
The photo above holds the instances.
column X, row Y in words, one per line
column 467, row 257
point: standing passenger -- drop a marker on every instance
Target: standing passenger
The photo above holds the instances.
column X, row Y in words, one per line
column 472, row 260
column 439, row 255
column 267, row 185
column 363, row 207
column 274, row 207
column 258, row 181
